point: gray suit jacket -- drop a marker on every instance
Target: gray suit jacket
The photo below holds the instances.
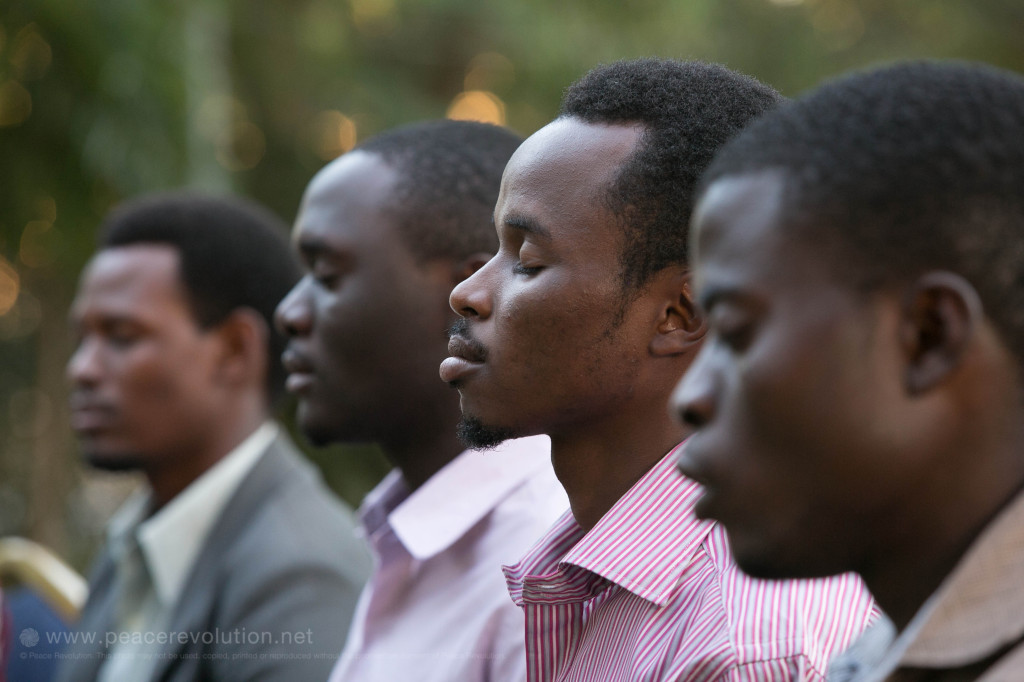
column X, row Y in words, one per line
column 272, row 592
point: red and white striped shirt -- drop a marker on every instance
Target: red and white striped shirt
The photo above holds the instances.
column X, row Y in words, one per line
column 652, row 593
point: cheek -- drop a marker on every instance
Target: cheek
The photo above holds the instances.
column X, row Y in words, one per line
column 803, row 413
column 147, row 377
column 349, row 327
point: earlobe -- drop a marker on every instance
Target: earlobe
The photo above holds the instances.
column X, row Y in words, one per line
column 941, row 313
column 681, row 325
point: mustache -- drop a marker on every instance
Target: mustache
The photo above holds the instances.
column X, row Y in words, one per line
column 468, row 347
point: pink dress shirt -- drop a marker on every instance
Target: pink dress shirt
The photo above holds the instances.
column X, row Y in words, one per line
column 436, row 607
column 651, row 593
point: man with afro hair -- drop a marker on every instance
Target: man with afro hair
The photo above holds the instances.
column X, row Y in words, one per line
column 579, row 328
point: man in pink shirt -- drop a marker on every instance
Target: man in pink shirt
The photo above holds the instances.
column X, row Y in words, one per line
column 579, row 328
column 385, row 232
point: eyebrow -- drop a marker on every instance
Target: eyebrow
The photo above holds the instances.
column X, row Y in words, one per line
column 524, row 223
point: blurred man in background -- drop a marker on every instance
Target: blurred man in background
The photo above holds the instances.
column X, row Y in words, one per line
column 860, row 255
column 385, row 232
column 235, row 562
column 580, row 328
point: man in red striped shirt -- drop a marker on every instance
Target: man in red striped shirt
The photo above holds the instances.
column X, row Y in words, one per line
column 579, row 328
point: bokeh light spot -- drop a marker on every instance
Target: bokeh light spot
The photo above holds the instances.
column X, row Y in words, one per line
column 334, row 133
column 477, row 105
column 15, row 104
column 30, row 54
column 10, row 286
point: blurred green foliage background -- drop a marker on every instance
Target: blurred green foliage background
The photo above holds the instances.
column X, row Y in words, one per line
column 105, row 99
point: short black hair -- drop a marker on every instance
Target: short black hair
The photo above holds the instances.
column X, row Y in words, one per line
column 448, row 177
column 901, row 170
column 688, row 110
column 233, row 254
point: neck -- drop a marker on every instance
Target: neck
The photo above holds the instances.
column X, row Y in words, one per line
column 598, row 464
column 423, row 448
column 418, row 462
column 170, row 479
column 920, row 555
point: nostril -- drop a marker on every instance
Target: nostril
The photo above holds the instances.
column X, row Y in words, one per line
column 290, row 319
column 693, row 417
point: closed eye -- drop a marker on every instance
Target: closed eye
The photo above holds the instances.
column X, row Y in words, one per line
column 734, row 334
column 328, row 280
column 521, row 269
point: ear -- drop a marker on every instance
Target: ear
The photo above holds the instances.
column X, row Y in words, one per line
column 244, row 336
column 467, row 266
column 681, row 322
column 941, row 313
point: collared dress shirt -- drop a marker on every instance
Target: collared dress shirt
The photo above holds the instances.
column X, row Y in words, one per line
column 156, row 554
column 435, row 608
column 972, row 627
column 652, row 593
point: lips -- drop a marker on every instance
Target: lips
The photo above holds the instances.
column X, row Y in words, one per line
column 90, row 414
column 300, row 371
column 466, row 356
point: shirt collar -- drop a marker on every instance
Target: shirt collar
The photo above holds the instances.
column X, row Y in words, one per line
column 436, row 515
column 172, row 538
column 637, row 544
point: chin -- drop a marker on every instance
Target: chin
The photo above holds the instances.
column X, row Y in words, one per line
column 106, row 460
column 317, row 434
column 322, row 430
column 767, row 566
column 315, row 427
column 479, row 436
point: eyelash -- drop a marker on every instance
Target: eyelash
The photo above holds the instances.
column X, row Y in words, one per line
column 520, row 269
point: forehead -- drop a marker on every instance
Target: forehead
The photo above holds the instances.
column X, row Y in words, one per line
column 350, row 200
column 560, row 172
column 140, row 280
column 739, row 233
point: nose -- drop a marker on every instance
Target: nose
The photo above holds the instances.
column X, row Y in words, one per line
column 294, row 316
column 472, row 296
column 694, row 399
column 85, row 366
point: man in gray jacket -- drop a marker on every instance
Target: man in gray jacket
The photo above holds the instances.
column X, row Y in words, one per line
column 235, row 562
